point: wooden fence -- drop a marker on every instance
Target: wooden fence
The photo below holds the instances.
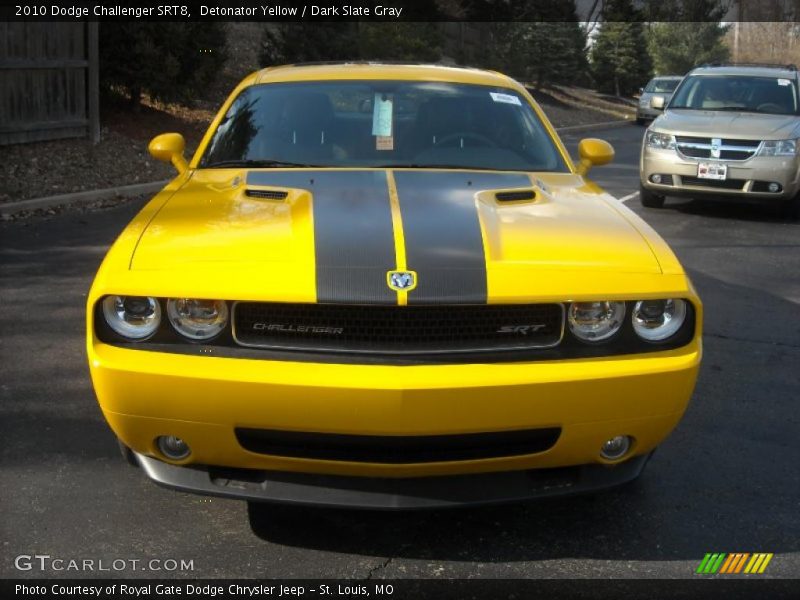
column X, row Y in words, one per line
column 48, row 81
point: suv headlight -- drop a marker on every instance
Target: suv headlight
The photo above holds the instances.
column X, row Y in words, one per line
column 132, row 317
column 662, row 141
column 778, row 148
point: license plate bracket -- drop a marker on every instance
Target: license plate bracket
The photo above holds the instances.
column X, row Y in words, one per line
column 718, row 171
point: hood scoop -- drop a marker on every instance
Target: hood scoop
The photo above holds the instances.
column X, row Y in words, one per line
column 266, row 194
column 522, row 195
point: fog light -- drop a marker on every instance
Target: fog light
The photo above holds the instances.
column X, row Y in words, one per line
column 616, row 447
column 173, row 447
column 655, row 178
column 773, row 187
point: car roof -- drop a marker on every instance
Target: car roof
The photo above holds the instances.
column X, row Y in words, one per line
column 379, row 70
column 749, row 70
column 667, row 77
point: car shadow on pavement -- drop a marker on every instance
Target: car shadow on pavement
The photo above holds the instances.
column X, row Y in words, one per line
column 727, row 209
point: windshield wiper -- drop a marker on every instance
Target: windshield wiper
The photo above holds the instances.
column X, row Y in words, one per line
column 255, row 164
column 432, row 166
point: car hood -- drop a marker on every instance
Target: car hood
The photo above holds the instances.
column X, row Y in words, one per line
column 743, row 125
column 333, row 235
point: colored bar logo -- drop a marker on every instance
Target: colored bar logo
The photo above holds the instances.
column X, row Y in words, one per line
column 735, row 563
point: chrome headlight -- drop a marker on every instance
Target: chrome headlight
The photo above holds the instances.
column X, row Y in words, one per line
column 778, row 148
column 198, row 320
column 595, row 321
column 132, row 317
column 662, row 141
column 657, row 320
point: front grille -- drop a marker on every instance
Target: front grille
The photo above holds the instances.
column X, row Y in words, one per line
column 397, row 329
column 397, row 449
column 724, row 184
column 729, row 149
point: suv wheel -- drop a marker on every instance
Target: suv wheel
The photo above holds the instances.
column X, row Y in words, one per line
column 790, row 208
column 649, row 199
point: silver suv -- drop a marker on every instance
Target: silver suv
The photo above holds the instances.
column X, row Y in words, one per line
column 655, row 96
column 729, row 131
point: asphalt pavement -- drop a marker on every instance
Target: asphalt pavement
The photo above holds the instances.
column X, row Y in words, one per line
column 727, row 480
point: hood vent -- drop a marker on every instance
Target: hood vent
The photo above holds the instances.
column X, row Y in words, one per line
column 266, row 194
column 515, row 196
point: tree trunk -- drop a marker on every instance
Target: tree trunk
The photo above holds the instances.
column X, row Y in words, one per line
column 135, row 99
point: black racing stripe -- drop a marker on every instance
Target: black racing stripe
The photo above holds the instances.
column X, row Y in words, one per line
column 443, row 235
column 353, row 234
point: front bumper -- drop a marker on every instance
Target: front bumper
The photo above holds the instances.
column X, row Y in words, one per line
column 204, row 399
column 390, row 494
column 645, row 112
column 784, row 171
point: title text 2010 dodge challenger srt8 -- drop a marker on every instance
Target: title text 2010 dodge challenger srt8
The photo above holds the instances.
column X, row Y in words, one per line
column 389, row 287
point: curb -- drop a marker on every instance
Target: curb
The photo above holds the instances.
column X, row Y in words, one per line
column 593, row 126
column 124, row 191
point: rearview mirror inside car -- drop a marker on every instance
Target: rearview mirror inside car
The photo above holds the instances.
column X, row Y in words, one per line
column 168, row 147
column 594, row 152
column 657, row 102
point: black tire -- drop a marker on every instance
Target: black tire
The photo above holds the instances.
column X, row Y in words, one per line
column 640, row 121
column 649, row 199
column 790, row 208
column 127, row 454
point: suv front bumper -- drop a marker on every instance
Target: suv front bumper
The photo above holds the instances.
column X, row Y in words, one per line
column 742, row 179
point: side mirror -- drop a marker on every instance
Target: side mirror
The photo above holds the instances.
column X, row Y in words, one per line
column 641, row 91
column 168, row 147
column 593, row 153
column 657, row 102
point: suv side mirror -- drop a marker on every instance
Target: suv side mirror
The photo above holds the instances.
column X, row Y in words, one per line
column 657, row 102
column 594, row 152
column 168, row 147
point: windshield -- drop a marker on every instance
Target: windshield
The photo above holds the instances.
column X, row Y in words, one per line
column 382, row 123
column 737, row 93
column 663, row 86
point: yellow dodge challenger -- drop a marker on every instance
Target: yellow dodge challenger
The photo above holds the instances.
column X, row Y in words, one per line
column 388, row 286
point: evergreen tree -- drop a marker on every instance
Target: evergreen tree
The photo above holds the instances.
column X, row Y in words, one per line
column 620, row 59
column 549, row 49
column 308, row 42
column 171, row 62
column 691, row 36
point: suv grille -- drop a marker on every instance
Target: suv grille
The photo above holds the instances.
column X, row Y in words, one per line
column 397, row 329
column 701, row 147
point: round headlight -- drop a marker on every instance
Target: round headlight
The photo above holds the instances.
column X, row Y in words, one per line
column 595, row 321
column 133, row 317
column 197, row 320
column 656, row 320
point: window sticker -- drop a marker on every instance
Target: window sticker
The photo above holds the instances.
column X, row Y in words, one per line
column 384, row 142
column 382, row 115
column 505, row 98
column 784, row 82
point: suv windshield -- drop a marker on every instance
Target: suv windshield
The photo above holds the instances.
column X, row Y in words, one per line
column 382, row 123
column 737, row 93
column 663, row 86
